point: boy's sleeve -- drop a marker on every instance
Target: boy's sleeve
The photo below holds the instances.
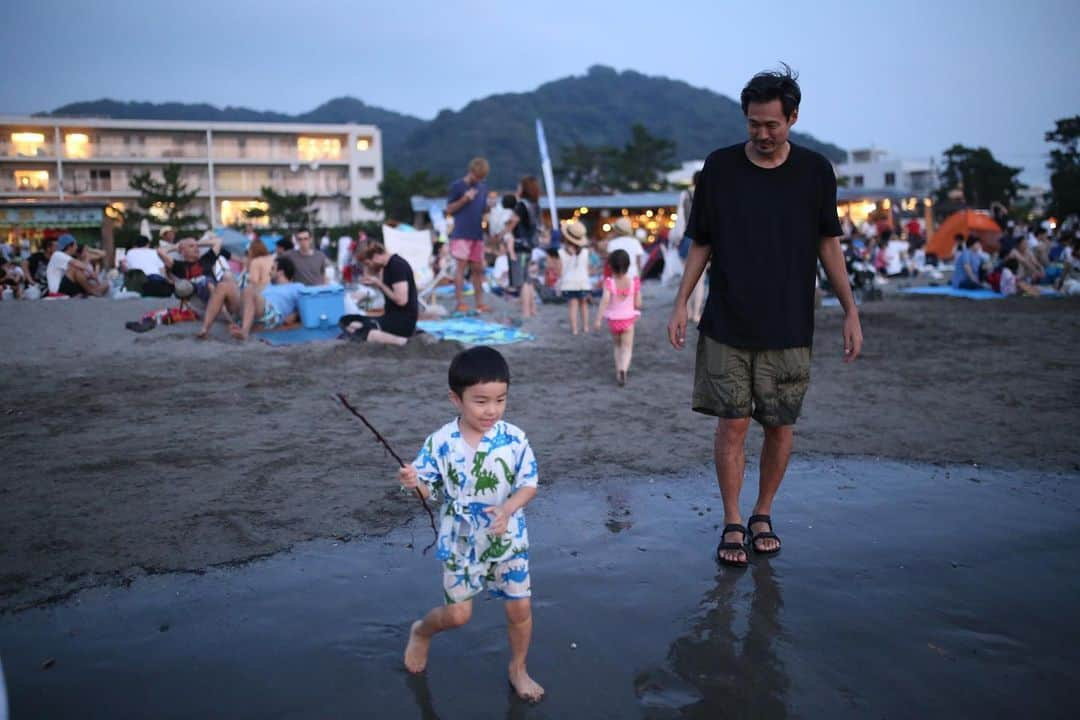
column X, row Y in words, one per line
column 427, row 465
column 525, row 474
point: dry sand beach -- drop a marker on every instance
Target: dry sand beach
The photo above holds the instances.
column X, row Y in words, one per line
column 129, row 454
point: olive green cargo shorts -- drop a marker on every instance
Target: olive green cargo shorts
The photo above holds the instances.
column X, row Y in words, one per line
column 768, row 385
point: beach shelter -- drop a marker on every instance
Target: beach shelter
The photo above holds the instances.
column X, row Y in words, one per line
column 965, row 222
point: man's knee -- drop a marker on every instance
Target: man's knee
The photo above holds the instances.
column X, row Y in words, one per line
column 731, row 432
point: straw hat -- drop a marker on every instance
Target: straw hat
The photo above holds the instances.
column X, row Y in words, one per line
column 623, row 226
column 574, row 233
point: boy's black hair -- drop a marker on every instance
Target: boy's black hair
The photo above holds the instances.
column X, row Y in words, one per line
column 285, row 244
column 286, row 266
column 480, row 364
column 773, row 85
column 141, row 241
column 509, row 201
column 619, row 262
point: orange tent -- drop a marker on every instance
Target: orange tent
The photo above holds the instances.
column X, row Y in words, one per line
column 964, row 222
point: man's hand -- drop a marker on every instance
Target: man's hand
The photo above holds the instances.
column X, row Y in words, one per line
column 676, row 327
column 499, row 519
column 852, row 336
column 470, row 194
column 369, row 280
column 407, row 477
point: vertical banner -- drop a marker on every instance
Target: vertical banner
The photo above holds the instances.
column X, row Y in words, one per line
column 549, row 178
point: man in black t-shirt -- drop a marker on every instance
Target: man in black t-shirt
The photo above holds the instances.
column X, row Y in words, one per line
column 34, row 266
column 204, row 271
column 393, row 277
column 764, row 213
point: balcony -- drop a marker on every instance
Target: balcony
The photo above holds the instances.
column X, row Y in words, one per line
column 43, row 186
column 25, row 150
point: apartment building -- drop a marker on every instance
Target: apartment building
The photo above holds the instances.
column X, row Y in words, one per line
column 874, row 169
column 84, row 159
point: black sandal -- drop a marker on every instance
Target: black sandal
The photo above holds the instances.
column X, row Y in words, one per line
column 754, row 537
column 733, row 527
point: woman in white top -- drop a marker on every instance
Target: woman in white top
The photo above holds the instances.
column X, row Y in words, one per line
column 574, row 282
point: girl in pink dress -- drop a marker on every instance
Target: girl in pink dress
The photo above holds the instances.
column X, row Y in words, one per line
column 621, row 307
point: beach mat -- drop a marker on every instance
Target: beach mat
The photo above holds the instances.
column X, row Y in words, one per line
column 949, row 291
column 298, row 336
column 473, row 331
column 981, row 294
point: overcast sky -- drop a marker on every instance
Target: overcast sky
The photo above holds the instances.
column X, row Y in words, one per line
column 911, row 77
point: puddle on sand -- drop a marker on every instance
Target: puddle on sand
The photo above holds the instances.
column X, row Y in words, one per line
column 899, row 586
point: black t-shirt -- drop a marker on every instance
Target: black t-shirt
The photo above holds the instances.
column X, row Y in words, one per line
column 528, row 214
column 400, row 320
column 764, row 227
column 191, row 270
column 37, row 263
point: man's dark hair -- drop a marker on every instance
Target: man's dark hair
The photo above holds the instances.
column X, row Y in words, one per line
column 958, row 238
column 619, row 262
column 1013, row 264
column 141, row 241
column 552, row 252
column 509, row 201
column 480, row 364
column 48, row 241
column 286, row 266
column 972, row 239
column 773, row 85
column 286, row 244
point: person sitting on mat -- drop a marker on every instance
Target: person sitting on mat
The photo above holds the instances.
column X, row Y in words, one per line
column 393, row 277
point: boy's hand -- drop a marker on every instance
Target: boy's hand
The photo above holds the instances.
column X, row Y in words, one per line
column 407, row 477
column 499, row 519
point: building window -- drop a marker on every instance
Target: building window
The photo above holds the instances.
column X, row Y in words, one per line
column 890, row 179
column 311, row 149
column 28, row 144
column 234, row 212
column 364, row 143
column 365, row 173
column 77, row 145
column 857, row 181
column 101, row 180
column 32, row 179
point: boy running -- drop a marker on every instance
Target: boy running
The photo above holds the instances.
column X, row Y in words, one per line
column 486, row 473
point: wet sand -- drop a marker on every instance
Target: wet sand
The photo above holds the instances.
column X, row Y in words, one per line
column 140, row 466
column 879, row 606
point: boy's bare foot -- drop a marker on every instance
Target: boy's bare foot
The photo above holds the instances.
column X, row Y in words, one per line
column 416, row 651
column 526, row 688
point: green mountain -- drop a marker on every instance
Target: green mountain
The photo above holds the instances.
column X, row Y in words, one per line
column 597, row 108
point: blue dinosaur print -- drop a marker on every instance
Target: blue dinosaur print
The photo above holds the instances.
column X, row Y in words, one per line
column 521, row 527
column 477, row 512
column 516, row 575
column 444, row 450
column 502, row 439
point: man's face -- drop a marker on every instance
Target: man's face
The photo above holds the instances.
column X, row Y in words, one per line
column 767, row 126
column 50, row 248
column 304, row 239
column 477, row 174
column 375, row 264
column 189, row 250
column 169, row 237
column 277, row 276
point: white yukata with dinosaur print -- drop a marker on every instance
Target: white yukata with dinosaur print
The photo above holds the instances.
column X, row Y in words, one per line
column 468, row 484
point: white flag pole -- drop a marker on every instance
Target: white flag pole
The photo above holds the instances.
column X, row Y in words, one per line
column 549, row 177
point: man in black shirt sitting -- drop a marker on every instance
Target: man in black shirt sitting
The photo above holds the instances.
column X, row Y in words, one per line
column 764, row 213
column 393, row 277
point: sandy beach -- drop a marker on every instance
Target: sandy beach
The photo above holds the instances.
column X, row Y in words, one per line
column 131, row 454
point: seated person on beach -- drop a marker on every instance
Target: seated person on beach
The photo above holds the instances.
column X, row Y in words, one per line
column 310, row 262
column 1010, row 284
column 260, row 264
column 204, row 271
column 71, row 277
column 271, row 307
column 1030, row 269
column 393, row 277
column 284, row 245
column 966, row 270
column 145, row 271
column 34, row 266
column 12, row 278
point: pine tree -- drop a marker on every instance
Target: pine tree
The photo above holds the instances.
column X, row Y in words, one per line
column 288, row 211
column 164, row 201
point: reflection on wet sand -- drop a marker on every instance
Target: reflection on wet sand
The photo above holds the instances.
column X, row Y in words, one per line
column 726, row 666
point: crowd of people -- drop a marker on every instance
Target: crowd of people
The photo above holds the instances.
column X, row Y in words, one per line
column 1024, row 259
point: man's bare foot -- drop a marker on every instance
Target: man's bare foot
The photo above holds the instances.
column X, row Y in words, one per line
column 202, row 334
column 526, row 688
column 416, row 651
column 238, row 332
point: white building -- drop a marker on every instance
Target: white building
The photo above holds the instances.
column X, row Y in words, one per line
column 83, row 159
column 874, row 169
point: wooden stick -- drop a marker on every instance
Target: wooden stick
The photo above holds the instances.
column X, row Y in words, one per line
column 400, row 462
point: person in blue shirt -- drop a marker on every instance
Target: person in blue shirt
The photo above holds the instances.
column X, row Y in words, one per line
column 275, row 305
column 966, row 269
column 467, row 203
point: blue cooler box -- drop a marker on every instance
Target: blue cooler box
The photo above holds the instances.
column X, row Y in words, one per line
column 319, row 300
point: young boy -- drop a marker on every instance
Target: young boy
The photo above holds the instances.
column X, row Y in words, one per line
column 486, row 472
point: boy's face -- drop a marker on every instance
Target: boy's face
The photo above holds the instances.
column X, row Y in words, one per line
column 482, row 405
